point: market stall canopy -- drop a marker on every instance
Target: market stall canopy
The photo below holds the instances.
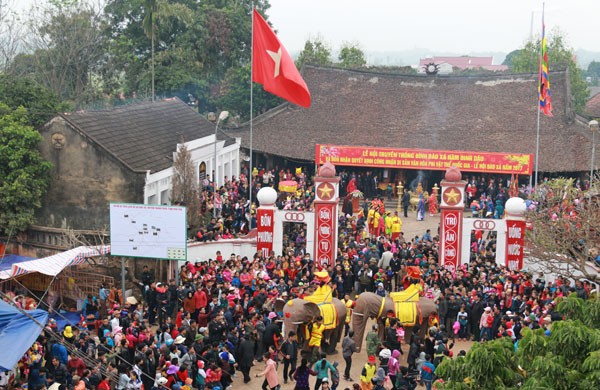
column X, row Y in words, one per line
column 18, row 331
column 8, row 261
column 53, row 265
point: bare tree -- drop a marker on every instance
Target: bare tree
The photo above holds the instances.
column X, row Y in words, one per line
column 566, row 229
column 11, row 34
column 185, row 185
column 66, row 44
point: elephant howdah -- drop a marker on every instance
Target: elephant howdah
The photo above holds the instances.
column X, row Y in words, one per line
column 371, row 305
column 299, row 314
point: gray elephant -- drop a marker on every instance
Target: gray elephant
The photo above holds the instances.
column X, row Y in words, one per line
column 299, row 313
column 369, row 305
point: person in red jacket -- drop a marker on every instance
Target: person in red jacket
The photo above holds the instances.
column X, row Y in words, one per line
column 200, row 301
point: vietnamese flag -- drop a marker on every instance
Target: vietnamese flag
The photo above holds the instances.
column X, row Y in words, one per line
column 273, row 67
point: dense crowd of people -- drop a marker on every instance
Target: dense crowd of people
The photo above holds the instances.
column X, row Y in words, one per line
column 234, row 215
column 208, row 327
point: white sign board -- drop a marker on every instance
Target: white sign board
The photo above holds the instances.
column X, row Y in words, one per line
column 138, row 230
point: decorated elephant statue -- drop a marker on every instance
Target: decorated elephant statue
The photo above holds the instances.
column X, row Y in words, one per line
column 299, row 313
column 370, row 305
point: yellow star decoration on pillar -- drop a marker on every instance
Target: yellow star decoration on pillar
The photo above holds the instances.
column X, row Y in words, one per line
column 452, row 196
column 325, row 191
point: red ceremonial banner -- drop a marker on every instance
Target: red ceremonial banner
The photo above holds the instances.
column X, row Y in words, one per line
column 515, row 242
column 450, row 239
column 265, row 223
column 325, row 222
column 365, row 156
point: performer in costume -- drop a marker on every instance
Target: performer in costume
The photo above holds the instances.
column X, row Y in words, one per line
column 396, row 226
column 433, row 204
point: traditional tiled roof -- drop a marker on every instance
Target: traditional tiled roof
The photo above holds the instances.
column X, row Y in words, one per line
column 493, row 113
column 143, row 136
column 592, row 107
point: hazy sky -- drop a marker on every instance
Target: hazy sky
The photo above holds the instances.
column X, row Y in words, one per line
column 461, row 26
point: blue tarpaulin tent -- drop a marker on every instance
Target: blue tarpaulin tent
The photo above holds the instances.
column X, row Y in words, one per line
column 18, row 332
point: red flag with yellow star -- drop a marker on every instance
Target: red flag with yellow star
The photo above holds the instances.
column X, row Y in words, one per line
column 273, row 67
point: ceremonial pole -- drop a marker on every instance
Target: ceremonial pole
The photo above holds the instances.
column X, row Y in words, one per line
column 537, row 136
column 251, row 116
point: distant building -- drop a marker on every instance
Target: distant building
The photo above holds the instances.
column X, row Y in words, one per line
column 446, row 64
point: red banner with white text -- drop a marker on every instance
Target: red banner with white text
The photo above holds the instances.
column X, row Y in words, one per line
column 450, row 239
column 325, row 226
column 515, row 244
column 265, row 224
column 366, row 156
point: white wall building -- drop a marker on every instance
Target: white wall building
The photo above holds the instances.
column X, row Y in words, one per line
column 158, row 184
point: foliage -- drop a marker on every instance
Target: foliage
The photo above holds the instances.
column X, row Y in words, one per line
column 508, row 60
column 200, row 47
column 565, row 225
column 185, row 189
column 593, row 71
column 567, row 359
column 40, row 103
column 23, row 173
column 486, row 366
column 351, row 56
column 235, row 91
column 315, row 52
column 66, row 46
column 575, row 308
column 560, row 57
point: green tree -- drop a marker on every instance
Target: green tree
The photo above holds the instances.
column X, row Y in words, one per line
column 66, row 44
column 190, row 58
column 235, row 91
column 23, row 172
column 40, row 103
column 508, row 60
column 565, row 358
column 560, row 57
column 315, row 52
column 351, row 56
column 486, row 366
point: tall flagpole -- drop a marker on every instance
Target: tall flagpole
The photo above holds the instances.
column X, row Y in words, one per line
column 251, row 115
column 537, row 137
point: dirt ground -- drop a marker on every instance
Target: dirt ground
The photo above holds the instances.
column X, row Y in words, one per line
column 411, row 228
column 358, row 362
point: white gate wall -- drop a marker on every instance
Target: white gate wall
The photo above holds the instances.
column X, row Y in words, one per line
column 306, row 217
column 485, row 224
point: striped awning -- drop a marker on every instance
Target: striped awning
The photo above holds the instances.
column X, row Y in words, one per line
column 53, row 265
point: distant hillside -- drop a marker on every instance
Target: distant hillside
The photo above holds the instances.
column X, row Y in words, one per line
column 584, row 57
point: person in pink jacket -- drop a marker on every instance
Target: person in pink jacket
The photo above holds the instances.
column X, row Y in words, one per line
column 270, row 373
column 485, row 324
column 394, row 365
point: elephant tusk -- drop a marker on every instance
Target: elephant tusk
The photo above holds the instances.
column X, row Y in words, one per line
column 358, row 314
column 297, row 322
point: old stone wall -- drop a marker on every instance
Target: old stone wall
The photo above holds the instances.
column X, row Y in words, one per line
column 84, row 179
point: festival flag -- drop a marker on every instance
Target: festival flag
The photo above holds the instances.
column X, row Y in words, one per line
column 544, row 83
column 273, row 67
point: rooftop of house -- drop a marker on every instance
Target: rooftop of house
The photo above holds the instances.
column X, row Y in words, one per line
column 487, row 113
column 144, row 135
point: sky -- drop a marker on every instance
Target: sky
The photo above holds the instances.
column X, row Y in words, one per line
column 459, row 26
